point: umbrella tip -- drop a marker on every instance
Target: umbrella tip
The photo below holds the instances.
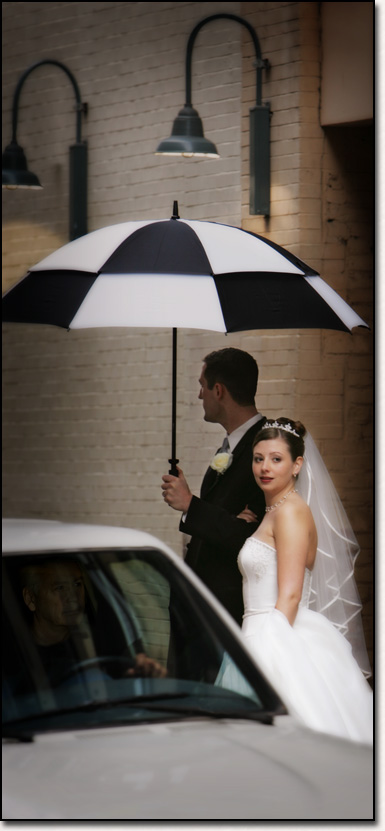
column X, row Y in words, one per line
column 175, row 211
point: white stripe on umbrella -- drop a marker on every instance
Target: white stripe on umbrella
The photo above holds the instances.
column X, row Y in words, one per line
column 89, row 253
column 228, row 252
column 152, row 300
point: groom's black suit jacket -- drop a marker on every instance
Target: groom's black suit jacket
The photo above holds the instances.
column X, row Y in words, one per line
column 216, row 534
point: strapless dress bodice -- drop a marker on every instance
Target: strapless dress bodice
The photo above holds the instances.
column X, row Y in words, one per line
column 257, row 562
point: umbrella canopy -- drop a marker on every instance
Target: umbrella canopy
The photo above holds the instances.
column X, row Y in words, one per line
column 176, row 273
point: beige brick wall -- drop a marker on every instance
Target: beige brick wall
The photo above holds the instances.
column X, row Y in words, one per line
column 87, row 414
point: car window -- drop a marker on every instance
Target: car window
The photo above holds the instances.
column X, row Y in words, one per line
column 108, row 637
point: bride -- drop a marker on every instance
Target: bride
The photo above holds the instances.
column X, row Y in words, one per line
column 301, row 606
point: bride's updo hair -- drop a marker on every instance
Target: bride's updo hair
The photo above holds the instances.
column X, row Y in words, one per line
column 284, row 428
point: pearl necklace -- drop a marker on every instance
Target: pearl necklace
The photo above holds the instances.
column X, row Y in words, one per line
column 271, row 507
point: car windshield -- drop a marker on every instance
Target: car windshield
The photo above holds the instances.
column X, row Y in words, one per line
column 115, row 637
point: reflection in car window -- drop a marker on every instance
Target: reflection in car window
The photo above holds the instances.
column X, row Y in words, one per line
column 113, row 637
column 148, row 594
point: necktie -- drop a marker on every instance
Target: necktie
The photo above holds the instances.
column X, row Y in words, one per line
column 225, row 446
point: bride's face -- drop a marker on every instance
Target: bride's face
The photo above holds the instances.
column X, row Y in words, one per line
column 273, row 467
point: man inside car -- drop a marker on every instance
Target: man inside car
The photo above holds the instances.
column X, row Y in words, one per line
column 65, row 635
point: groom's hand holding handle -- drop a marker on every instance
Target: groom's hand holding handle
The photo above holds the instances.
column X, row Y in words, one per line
column 176, row 492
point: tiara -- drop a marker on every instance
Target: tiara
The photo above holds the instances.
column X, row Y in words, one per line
column 286, row 427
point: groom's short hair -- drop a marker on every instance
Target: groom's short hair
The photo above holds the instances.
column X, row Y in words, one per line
column 236, row 370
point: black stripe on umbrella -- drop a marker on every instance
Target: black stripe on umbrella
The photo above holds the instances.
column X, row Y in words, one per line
column 269, row 301
column 46, row 297
column 160, row 248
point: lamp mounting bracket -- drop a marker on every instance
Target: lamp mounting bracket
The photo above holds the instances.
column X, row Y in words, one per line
column 262, row 63
column 81, row 107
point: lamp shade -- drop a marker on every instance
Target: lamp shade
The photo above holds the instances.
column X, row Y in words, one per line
column 187, row 137
column 15, row 173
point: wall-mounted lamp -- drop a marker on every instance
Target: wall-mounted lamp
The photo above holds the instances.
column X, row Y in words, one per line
column 187, row 138
column 14, row 163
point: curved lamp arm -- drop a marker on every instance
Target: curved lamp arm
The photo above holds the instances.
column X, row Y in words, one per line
column 79, row 106
column 260, row 63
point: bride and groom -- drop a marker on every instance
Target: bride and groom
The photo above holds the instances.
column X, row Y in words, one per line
column 291, row 587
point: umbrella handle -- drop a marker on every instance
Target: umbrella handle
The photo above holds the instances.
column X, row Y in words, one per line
column 173, row 469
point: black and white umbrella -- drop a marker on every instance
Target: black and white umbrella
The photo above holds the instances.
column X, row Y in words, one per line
column 176, row 273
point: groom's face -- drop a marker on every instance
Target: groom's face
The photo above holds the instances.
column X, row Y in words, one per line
column 209, row 399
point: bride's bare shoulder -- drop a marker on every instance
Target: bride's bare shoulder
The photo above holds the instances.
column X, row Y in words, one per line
column 295, row 508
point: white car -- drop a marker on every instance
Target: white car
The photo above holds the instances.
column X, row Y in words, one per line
column 122, row 716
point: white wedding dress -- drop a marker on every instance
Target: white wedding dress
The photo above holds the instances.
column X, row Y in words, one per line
column 310, row 664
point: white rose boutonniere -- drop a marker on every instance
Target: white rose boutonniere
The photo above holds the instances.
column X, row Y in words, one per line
column 221, row 462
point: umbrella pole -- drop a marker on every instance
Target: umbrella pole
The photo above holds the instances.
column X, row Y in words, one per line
column 173, row 461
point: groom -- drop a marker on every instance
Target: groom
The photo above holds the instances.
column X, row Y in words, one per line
column 228, row 384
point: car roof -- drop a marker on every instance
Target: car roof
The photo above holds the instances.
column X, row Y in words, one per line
column 32, row 535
